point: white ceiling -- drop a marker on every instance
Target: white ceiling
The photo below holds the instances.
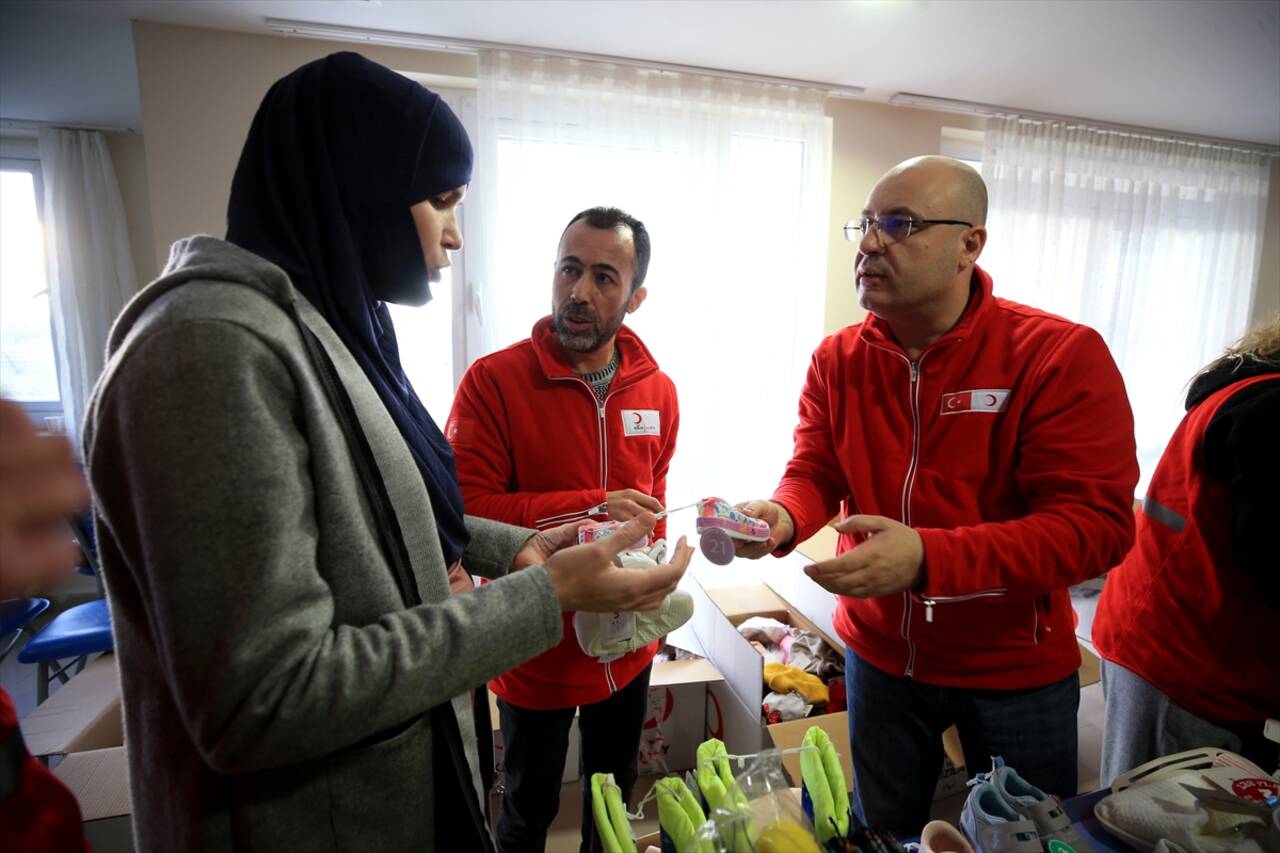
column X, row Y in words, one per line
column 1207, row 67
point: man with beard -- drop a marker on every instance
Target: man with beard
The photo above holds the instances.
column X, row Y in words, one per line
column 575, row 422
column 981, row 456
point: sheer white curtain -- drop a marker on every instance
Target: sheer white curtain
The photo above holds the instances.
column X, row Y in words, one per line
column 732, row 180
column 1156, row 244
column 91, row 274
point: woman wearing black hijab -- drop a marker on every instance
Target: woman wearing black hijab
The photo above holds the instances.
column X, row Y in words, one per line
column 277, row 510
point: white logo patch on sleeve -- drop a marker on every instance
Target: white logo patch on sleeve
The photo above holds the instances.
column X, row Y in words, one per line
column 977, row 400
column 641, row 422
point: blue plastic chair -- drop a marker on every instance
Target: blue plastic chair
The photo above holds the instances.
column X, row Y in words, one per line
column 75, row 633
column 15, row 615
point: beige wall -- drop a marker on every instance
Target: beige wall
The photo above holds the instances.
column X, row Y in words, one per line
column 129, row 157
column 200, row 89
column 1266, row 300
column 868, row 140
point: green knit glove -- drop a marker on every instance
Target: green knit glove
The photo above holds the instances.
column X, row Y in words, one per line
column 721, row 791
column 824, row 780
column 680, row 816
column 610, row 815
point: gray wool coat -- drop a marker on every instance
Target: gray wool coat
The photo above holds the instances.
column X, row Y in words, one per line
column 268, row 665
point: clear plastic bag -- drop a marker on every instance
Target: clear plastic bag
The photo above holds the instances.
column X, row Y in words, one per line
column 772, row 819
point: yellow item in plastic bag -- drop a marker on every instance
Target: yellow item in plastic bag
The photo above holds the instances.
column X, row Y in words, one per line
column 786, row 836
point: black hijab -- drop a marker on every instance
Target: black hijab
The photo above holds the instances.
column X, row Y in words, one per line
column 337, row 154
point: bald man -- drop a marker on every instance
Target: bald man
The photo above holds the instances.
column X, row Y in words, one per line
column 980, row 455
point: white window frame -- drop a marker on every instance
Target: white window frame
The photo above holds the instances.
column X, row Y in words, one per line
column 22, row 156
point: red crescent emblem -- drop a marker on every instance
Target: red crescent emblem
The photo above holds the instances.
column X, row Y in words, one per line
column 991, row 399
column 639, row 419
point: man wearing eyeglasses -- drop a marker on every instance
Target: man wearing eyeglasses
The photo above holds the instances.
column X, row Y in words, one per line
column 981, row 456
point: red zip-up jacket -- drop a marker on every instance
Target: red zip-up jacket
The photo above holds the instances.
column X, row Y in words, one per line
column 1182, row 610
column 1008, row 445
column 534, row 447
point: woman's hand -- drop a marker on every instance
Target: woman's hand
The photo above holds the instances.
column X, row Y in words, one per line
column 544, row 543
column 586, row 578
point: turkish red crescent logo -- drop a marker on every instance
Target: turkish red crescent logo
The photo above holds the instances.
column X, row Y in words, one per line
column 639, row 419
column 715, row 729
column 665, row 714
column 1256, row 790
column 991, row 399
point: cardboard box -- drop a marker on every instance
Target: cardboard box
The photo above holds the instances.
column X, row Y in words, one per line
column 734, row 707
column 99, row 779
column 84, row 714
column 733, row 710
column 676, row 721
column 674, row 725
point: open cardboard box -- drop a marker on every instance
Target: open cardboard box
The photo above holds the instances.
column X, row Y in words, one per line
column 737, row 702
column 83, row 714
column 734, row 709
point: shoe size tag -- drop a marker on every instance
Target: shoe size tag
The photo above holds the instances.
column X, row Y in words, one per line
column 618, row 627
column 641, row 422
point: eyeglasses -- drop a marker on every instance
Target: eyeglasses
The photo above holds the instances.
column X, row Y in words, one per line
column 892, row 228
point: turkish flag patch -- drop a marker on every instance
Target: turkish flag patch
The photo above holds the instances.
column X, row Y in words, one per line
column 977, row 400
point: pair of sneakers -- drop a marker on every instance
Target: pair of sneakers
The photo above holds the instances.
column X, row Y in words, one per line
column 609, row 636
column 1007, row 814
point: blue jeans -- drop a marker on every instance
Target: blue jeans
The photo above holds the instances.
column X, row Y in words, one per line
column 895, row 732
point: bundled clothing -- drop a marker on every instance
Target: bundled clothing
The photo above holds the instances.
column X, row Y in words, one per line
column 1008, row 446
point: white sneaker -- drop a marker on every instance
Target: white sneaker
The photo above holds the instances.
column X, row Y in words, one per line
column 1052, row 823
column 992, row 824
column 609, row 636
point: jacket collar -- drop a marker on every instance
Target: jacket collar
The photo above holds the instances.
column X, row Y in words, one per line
column 1227, row 372
column 876, row 330
column 636, row 361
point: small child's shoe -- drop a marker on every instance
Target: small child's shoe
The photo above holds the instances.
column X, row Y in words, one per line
column 609, row 636
column 715, row 513
column 1052, row 823
column 594, row 531
column 992, row 824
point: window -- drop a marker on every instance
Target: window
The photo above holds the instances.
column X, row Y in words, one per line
column 732, row 181
column 962, row 144
column 28, row 369
column 430, row 350
column 1152, row 243
column 424, row 335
